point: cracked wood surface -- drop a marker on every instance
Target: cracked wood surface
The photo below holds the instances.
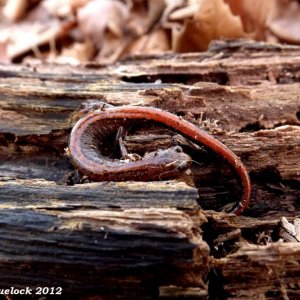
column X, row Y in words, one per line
column 129, row 253
column 98, row 195
column 262, row 272
column 247, row 95
column 125, row 239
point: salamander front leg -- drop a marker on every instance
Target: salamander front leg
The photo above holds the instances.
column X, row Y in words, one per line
column 119, row 142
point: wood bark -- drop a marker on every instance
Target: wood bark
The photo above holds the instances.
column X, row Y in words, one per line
column 263, row 272
column 125, row 254
column 245, row 94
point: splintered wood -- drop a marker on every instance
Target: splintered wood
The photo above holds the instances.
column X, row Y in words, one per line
column 136, row 240
column 262, row 272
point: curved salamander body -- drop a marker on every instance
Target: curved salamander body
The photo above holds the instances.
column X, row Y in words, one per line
column 90, row 132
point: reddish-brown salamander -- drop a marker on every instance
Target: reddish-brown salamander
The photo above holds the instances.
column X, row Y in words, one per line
column 90, row 132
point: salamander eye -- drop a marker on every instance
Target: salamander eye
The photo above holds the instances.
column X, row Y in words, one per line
column 178, row 149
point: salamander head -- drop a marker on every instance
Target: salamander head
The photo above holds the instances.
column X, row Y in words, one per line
column 170, row 163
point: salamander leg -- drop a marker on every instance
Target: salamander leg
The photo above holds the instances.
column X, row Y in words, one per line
column 122, row 148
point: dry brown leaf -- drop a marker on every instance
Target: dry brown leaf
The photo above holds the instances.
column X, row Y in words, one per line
column 15, row 9
column 211, row 20
column 284, row 21
column 38, row 28
column 110, row 29
column 184, row 12
column 272, row 20
column 104, row 23
column 76, row 53
column 76, row 4
column 144, row 14
column 3, row 53
column 58, row 8
column 289, row 232
column 24, row 37
column 253, row 14
column 155, row 42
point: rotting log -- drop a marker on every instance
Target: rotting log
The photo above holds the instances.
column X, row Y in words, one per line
column 245, row 94
column 36, row 106
column 97, row 195
column 262, row 272
column 96, row 252
column 39, row 98
column 86, row 240
column 102, row 238
column 271, row 156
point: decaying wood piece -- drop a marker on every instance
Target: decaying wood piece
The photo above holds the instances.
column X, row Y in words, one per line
column 262, row 272
column 95, row 251
column 67, row 236
column 42, row 97
column 97, row 195
column 272, row 156
column 105, row 233
column 41, row 106
column 243, row 64
column 249, row 259
column 277, row 148
column 246, row 94
column 225, row 233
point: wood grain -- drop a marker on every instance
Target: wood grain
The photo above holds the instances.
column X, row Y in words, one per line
column 150, row 240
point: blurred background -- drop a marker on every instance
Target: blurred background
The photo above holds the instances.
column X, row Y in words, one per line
column 104, row 31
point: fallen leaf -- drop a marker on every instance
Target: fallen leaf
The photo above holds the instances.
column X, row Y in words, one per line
column 201, row 28
column 38, row 28
column 104, row 23
column 284, row 21
column 289, row 232
column 297, row 228
column 76, row 4
column 272, row 20
column 3, row 53
column 155, row 42
column 15, row 9
column 106, row 30
column 76, row 53
column 58, row 8
column 144, row 14
column 253, row 14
